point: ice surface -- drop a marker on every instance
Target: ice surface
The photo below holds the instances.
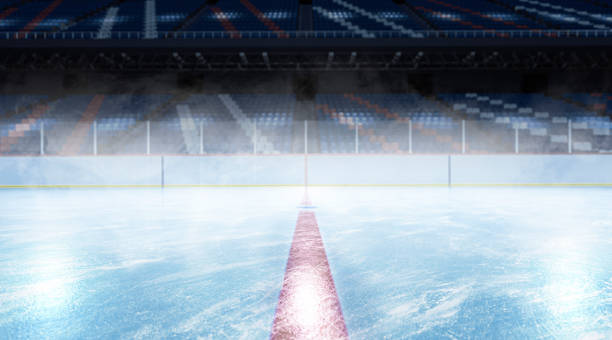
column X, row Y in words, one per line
column 471, row 263
column 142, row 263
column 422, row 263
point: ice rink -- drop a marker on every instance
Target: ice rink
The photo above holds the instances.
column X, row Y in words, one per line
column 414, row 263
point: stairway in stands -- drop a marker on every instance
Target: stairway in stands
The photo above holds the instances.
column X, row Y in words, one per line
column 135, row 132
column 75, row 140
column 416, row 15
column 189, row 129
column 377, row 18
column 192, row 17
column 18, row 131
column 107, row 24
column 150, row 23
column 527, row 15
column 110, row 8
column 248, row 126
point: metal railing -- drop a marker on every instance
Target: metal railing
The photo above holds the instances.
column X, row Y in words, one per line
column 421, row 136
column 220, row 35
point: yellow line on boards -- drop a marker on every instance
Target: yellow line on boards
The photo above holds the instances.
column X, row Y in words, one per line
column 533, row 185
column 233, row 185
column 75, row 186
column 376, row 185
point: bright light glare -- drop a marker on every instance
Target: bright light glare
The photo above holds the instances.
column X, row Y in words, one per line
column 52, row 289
column 305, row 299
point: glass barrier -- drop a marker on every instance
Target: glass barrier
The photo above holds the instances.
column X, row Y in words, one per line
column 67, row 138
column 400, row 136
column 541, row 137
column 436, row 136
column 20, row 138
column 170, row 137
column 485, row 136
column 200, row 136
column 339, row 135
column 121, row 137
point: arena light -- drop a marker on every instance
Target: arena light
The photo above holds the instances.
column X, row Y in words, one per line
column 353, row 57
column 330, row 59
column 266, row 59
column 243, row 58
column 200, row 58
column 180, row 61
column 396, row 57
column 125, row 56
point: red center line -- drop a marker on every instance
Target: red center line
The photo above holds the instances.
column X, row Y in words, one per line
column 308, row 306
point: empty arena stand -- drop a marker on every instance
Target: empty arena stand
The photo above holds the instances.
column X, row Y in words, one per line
column 152, row 19
column 339, row 123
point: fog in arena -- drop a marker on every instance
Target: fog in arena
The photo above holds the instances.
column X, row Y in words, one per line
column 305, row 169
column 405, row 107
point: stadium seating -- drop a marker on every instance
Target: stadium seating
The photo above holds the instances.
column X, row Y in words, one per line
column 359, row 17
column 541, row 121
column 383, row 121
column 344, row 123
column 20, row 124
column 273, row 117
column 601, row 102
column 472, row 15
column 568, row 14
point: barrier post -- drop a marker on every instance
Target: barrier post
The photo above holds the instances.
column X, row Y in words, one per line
column 463, row 136
column 306, row 137
column 410, row 136
column 356, row 138
column 254, row 137
column 42, row 138
column 516, row 139
column 148, row 137
column 95, row 137
column 569, row 136
column 201, row 137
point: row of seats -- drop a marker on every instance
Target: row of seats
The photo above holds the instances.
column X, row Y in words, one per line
column 566, row 14
column 546, row 119
column 240, row 123
column 150, row 16
column 597, row 102
column 472, row 15
column 364, row 18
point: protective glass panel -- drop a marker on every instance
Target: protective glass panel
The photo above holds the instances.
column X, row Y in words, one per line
column 68, row 138
column 485, row 136
column 20, row 137
column 121, row 136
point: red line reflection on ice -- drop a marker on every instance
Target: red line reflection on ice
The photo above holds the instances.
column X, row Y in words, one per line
column 308, row 306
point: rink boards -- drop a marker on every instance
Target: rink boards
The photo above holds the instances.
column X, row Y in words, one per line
column 316, row 170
